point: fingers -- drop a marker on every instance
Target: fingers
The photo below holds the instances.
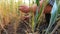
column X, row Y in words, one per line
column 24, row 8
column 46, row 10
column 41, row 2
column 20, row 8
column 34, row 8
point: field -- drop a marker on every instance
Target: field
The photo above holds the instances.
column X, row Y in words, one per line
column 13, row 20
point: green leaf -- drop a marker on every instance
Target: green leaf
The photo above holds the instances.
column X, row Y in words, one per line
column 37, row 2
column 54, row 14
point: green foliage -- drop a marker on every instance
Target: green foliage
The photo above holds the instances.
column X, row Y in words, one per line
column 59, row 9
column 13, row 6
column 36, row 15
column 37, row 2
column 54, row 14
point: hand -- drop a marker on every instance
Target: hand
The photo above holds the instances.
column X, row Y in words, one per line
column 27, row 9
column 47, row 9
column 24, row 8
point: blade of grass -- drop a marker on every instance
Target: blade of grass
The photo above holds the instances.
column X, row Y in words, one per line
column 42, row 8
column 54, row 14
column 37, row 16
column 58, row 23
column 33, row 22
column 11, row 6
column 4, row 7
column 19, row 2
column 37, row 2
